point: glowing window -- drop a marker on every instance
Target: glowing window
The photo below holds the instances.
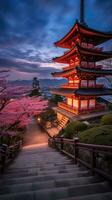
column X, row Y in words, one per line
column 75, row 103
column 91, row 103
column 84, row 83
column 76, row 80
column 84, row 104
column 91, row 83
column 71, row 80
column 84, row 64
column 91, row 65
column 69, row 101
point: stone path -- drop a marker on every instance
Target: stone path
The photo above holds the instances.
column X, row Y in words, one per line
column 41, row 173
column 34, row 135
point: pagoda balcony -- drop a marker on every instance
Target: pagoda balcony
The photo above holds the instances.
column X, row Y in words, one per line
column 98, row 108
column 75, row 86
column 91, row 66
column 67, row 107
column 92, row 86
column 91, row 46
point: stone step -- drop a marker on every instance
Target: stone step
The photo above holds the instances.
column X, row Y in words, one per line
column 59, row 193
column 37, row 152
column 20, row 180
column 41, row 165
column 36, row 159
column 40, row 172
column 41, row 159
column 46, row 173
column 100, row 196
column 43, row 168
column 48, row 184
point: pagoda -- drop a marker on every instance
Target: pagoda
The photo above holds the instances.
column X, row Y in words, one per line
column 81, row 90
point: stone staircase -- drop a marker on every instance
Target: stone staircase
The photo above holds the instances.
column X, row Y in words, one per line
column 41, row 173
column 61, row 124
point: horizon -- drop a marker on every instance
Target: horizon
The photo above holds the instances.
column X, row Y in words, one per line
column 30, row 28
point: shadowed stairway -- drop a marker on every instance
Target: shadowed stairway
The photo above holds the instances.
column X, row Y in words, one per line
column 40, row 172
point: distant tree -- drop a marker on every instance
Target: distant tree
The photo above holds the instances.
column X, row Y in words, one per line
column 56, row 98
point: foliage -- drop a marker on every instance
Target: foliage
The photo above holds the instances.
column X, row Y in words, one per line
column 74, row 128
column 48, row 115
column 16, row 110
column 56, row 98
column 97, row 135
column 10, row 137
column 35, row 92
column 8, row 91
column 106, row 119
column 18, row 113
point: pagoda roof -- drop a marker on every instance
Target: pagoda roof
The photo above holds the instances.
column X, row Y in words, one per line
column 96, row 36
column 82, row 91
column 84, row 54
column 64, row 73
column 94, row 71
column 79, row 70
column 93, row 91
column 63, row 91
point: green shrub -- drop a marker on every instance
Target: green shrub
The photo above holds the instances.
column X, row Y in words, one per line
column 92, row 125
column 97, row 135
column 47, row 116
column 74, row 128
column 106, row 119
column 56, row 98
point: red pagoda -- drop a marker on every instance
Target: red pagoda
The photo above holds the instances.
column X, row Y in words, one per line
column 82, row 70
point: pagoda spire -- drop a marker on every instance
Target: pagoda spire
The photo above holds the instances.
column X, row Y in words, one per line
column 82, row 11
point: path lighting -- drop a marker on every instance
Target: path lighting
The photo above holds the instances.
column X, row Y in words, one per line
column 39, row 119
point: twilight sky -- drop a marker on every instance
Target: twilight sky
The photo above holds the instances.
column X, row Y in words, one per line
column 28, row 29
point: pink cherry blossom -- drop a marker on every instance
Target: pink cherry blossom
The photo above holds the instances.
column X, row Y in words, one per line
column 20, row 111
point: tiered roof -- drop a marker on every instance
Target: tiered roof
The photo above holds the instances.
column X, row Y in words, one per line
column 90, row 55
column 80, row 70
column 82, row 91
column 96, row 37
column 73, row 40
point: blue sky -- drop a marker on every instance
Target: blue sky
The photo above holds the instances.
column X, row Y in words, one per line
column 28, row 29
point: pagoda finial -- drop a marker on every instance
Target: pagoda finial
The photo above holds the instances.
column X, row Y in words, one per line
column 82, row 11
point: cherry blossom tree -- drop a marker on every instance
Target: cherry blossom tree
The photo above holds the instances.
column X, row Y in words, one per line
column 8, row 91
column 16, row 107
column 20, row 111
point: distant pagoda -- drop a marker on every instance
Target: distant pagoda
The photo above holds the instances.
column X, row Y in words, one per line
column 81, row 71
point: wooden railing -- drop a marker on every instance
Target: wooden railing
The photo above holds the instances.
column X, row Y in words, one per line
column 8, row 153
column 69, row 85
column 98, row 158
column 67, row 107
column 99, row 107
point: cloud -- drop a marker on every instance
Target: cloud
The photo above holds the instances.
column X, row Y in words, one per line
column 28, row 29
